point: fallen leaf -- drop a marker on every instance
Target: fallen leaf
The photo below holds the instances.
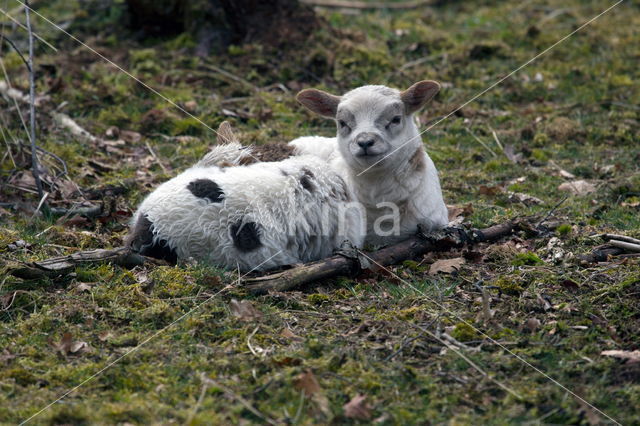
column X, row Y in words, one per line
column 112, row 132
column 130, row 136
column 578, row 187
column 565, row 174
column 532, row 324
column 526, row 199
column 68, row 346
column 357, row 408
column 6, row 356
column 105, row 335
column 287, row 361
column 288, row 334
column 212, row 281
column 633, row 204
column 569, row 284
column 244, row 310
column 446, row 266
column 490, row 190
column 191, row 106
column 456, row 211
column 511, row 155
column 307, row 383
column 84, row 287
column 632, row 356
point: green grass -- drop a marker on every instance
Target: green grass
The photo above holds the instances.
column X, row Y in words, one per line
column 357, row 336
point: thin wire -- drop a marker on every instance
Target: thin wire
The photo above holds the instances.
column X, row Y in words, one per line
column 154, row 91
column 112, row 363
column 492, row 86
column 492, row 340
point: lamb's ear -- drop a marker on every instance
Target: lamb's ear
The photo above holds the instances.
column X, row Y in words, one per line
column 419, row 94
column 225, row 134
column 320, row 102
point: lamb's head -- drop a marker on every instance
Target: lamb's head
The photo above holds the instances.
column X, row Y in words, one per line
column 376, row 129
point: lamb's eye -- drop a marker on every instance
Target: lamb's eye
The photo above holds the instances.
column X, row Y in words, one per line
column 396, row 119
column 342, row 124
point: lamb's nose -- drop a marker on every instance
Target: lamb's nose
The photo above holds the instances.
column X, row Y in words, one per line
column 364, row 144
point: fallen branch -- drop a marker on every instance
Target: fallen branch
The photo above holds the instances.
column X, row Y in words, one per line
column 608, row 237
column 57, row 266
column 626, row 245
column 68, row 123
column 601, row 254
column 346, row 264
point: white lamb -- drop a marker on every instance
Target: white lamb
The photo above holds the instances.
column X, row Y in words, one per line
column 379, row 153
column 253, row 217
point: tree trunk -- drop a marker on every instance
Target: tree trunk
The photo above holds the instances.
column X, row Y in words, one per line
column 217, row 23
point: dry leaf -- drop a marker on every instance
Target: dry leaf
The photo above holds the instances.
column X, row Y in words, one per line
column 570, row 284
column 130, row 136
column 244, row 310
column 532, row 324
column 288, row 334
column 357, row 408
column 68, row 346
column 632, row 356
column 526, row 199
column 456, row 211
column 307, row 383
column 105, row 335
column 84, row 287
column 490, row 190
column 511, row 155
column 578, row 187
column 191, row 106
column 446, row 266
column 633, row 204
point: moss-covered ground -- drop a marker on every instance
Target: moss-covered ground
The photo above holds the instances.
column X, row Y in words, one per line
column 181, row 355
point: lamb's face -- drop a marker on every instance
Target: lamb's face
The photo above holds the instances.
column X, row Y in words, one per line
column 376, row 130
column 373, row 123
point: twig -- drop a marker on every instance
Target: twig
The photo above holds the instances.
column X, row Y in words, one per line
column 87, row 211
column 550, row 212
column 368, row 5
column 463, row 356
column 608, row 237
column 601, row 254
column 625, row 245
column 481, row 142
column 63, row 163
column 203, row 392
column 495, row 137
column 155, row 157
column 35, row 168
column 15, row 21
column 486, row 305
column 240, row 399
column 62, row 265
column 230, row 76
column 12, row 44
column 253, row 351
column 40, row 204
column 65, row 121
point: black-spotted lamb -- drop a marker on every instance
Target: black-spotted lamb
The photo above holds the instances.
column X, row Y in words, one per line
column 252, row 216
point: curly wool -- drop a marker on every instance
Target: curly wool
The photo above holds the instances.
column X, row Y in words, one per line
column 254, row 217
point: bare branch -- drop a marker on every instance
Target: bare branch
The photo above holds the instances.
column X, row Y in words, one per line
column 35, row 168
